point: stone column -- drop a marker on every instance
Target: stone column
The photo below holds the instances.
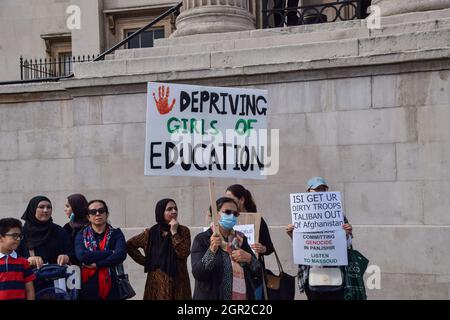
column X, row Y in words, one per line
column 213, row 16
column 393, row 7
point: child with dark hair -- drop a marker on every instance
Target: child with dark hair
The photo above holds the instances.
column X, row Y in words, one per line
column 16, row 275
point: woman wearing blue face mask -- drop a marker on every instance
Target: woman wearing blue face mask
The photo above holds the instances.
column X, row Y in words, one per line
column 76, row 209
column 223, row 263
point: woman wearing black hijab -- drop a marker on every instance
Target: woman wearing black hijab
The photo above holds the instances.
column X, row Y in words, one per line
column 167, row 247
column 44, row 241
column 76, row 209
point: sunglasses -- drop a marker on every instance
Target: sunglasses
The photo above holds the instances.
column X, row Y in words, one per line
column 93, row 212
column 234, row 213
column 15, row 236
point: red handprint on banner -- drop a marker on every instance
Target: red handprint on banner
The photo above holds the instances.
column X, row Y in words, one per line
column 162, row 104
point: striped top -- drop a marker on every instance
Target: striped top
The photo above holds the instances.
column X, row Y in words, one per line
column 14, row 273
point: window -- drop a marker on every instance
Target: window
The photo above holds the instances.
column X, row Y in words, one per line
column 145, row 39
column 65, row 63
column 121, row 22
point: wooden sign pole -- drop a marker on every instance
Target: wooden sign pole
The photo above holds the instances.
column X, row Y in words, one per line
column 212, row 199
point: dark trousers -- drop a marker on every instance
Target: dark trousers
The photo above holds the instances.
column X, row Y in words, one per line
column 279, row 15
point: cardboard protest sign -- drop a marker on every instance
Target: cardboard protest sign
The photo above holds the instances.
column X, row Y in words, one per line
column 317, row 211
column 205, row 131
column 251, row 218
column 248, row 230
column 320, row 248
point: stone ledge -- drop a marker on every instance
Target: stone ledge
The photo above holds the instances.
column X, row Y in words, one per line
column 289, row 53
column 142, row 66
column 317, row 69
column 405, row 42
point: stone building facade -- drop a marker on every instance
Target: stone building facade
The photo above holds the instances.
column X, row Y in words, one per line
column 368, row 109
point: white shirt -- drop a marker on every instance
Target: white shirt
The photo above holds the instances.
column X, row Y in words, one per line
column 12, row 255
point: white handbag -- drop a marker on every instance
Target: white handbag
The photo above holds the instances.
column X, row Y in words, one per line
column 319, row 276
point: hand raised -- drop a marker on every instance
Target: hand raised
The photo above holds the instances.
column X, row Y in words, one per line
column 162, row 104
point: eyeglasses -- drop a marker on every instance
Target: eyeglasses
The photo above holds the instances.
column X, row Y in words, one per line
column 172, row 208
column 93, row 212
column 228, row 211
column 45, row 206
column 15, row 236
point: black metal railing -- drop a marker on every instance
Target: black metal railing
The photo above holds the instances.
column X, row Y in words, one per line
column 283, row 15
column 49, row 68
column 175, row 10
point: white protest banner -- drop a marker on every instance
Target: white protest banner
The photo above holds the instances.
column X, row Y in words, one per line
column 320, row 248
column 205, row 131
column 317, row 211
column 248, row 230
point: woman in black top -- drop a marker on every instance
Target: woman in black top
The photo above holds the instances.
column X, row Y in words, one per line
column 44, row 241
column 76, row 208
column 245, row 201
column 264, row 247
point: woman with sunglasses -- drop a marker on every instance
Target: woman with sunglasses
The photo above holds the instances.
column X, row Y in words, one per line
column 223, row 264
column 166, row 246
column 100, row 248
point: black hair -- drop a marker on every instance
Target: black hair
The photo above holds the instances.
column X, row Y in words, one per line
column 7, row 224
column 221, row 201
column 99, row 201
column 239, row 191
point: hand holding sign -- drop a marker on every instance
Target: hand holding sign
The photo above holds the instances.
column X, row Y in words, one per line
column 348, row 229
column 259, row 248
column 215, row 242
column 163, row 103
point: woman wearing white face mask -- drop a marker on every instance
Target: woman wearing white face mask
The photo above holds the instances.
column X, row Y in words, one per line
column 223, row 263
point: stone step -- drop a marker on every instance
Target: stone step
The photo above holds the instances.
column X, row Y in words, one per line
column 368, row 46
column 415, row 20
column 292, row 53
column 238, row 44
column 409, row 27
column 276, row 37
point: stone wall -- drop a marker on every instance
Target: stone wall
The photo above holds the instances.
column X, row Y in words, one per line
column 371, row 118
column 382, row 140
